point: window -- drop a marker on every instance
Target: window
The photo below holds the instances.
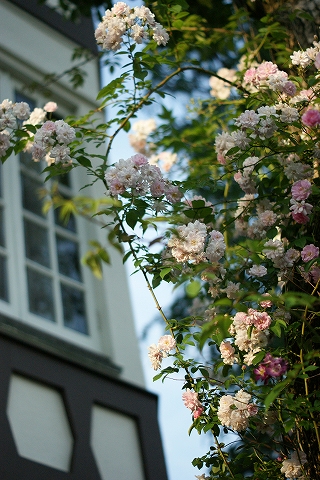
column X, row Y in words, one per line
column 42, row 280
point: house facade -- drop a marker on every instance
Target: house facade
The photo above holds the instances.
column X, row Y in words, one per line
column 72, row 400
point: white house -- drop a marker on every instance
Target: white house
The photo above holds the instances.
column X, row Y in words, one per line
column 72, row 397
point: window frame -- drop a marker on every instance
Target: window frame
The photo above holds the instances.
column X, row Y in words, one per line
column 11, row 202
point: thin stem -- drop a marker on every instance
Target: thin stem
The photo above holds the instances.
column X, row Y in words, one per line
column 144, row 273
column 222, row 455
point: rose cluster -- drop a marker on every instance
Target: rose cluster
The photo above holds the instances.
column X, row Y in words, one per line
column 12, row 113
column 267, row 74
column 235, row 412
column 193, row 242
column 158, row 352
column 250, row 333
column 137, row 175
column 136, row 23
column 305, row 58
column 300, row 209
column 254, row 124
column 9, row 114
column 51, row 142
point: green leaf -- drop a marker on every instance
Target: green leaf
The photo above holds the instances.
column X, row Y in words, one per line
column 272, row 233
column 300, row 242
column 258, row 357
column 215, row 469
column 178, row 24
column 276, row 329
column 104, row 255
column 156, row 377
column 127, row 126
column 126, row 256
column 132, row 217
column 165, row 271
column 193, row 288
column 141, row 74
column 84, row 161
column 176, row 8
column 109, row 89
column 275, row 392
column 30, row 128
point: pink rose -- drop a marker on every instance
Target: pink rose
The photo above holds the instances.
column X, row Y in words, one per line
column 309, row 252
column 50, row 107
column 311, row 118
column 250, row 76
column 238, row 176
column 266, row 69
column 166, row 343
column 157, row 188
column 252, row 409
column 226, row 349
column 221, row 159
column 261, row 320
column 266, row 303
column 301, row 190
column 116, row 187
column 289, row 88
column 139, row 159
column 300, row 211
column 197, row 412
column 300, row 218
column 48, row 127
column 190, row 400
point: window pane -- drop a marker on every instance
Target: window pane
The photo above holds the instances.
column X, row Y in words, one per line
column 36, row 242
column 40, row 292
column 71, row 223
column 74, row 309
column 30, row 197
column 26, row 159
column 68, row 258
column 65, row 180
column 4, row 294
column 2, row 238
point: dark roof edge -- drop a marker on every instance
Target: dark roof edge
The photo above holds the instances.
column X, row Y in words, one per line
column 81, row 32
column 58, row 347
